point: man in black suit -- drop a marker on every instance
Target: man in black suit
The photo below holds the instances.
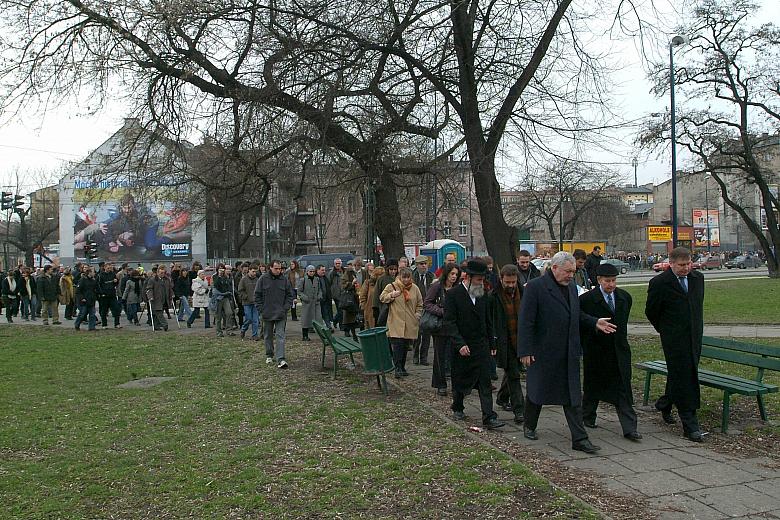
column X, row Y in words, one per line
column 548, row 344
column 675, row 307
column 607, row 357
column 423, row 278
column 467, row 319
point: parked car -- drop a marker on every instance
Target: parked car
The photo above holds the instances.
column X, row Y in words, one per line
column 663, row 265
column 622, row 266
column 707, row 262
column 743, row 262
column 324, row 259
column 541, row 263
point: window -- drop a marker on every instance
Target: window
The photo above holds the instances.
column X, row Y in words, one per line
column 321, row 231
column 224, row 224
column 447, row 229
column 352, row 230
column 215, row 224
column 421, row 230
column 462, row 228
column 242, row 226
column 352, row 204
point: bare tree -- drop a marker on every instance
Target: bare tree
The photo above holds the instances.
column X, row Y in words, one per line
column 732, row 66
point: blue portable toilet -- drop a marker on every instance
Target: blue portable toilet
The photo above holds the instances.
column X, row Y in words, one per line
column 436, row 250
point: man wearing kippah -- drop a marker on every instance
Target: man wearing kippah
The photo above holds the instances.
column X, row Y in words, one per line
column 607, row 357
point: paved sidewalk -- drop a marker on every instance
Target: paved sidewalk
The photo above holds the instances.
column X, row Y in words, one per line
column 725, row 331
column 678, row 478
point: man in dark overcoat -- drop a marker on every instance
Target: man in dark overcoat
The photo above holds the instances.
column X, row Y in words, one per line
column 548, row 344
column 675, row 307
column 607, row 357
column 467, row 319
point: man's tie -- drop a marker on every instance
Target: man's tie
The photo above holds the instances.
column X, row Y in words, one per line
column 684, row 283
column 611, row 302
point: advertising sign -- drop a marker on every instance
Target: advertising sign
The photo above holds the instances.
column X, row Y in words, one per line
column 701, row 220
column 659, row 233
column 124, row 228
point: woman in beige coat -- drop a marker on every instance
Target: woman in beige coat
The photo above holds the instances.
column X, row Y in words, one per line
column 403, row 317
column 367, row 296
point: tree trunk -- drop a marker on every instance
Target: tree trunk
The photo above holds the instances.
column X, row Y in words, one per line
column 500, row 238
column 387, row 219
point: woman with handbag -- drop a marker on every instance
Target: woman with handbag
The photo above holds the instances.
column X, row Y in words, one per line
column 348, row 303
column 434, row 305
column 405, row 306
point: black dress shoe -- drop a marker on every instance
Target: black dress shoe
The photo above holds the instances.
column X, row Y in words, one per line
column 667, row 417
column 590, row 424
column 633, row 436
column 458, row 416
column 441, row 391
column 586, row 446
column 530, row 434
column 519, row 418
column 696, row 436
column 494, row 424
column 504, row 406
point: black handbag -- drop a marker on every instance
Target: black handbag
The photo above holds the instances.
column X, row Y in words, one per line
column 347, row 302
column 430, row 323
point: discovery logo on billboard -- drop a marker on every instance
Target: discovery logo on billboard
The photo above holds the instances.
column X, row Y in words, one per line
column 175, row 250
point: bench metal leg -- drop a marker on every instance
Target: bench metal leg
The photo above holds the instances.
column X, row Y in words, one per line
column 647, row 388
column 761, row 407
column 724, row 423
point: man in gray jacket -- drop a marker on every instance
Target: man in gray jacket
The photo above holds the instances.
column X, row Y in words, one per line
column 273, row 298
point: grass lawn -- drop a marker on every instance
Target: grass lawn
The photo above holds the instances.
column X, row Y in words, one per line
column 743, row 408
column 232, row 437
column 752, row 301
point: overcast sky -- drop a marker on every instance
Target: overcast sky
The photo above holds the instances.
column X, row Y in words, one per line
column 50, row 143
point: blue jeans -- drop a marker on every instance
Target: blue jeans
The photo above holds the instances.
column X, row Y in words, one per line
column 85, row 310
column 250, row 316
column 184, row 306
column 132, row 312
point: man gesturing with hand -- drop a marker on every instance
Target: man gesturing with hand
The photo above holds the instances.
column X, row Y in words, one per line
column 548, row 344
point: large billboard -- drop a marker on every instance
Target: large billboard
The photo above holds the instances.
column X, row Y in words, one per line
column 125, row 228
column 702, row 220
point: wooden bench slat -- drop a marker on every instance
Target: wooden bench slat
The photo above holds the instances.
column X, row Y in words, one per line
column 740, row 358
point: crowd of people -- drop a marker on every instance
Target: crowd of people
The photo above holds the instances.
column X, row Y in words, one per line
column 478, row 318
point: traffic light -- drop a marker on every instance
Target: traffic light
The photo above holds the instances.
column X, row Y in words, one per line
column 90, row 250
column 18, row 202
column 7, row 200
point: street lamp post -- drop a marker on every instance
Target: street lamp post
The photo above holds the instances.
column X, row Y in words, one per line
column 635, row 163
column 707, row 212
column 676, row 42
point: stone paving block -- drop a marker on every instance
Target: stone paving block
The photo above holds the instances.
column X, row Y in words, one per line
column 714, row 474
column 770, row 487
column 618, row 487
column 644, row 461
column 690, row 456
column 683, row 507
column 600, row 466
column 657, row 483
column 649, row 441
column 760, row 466
column 606, row 449
column 737, row 500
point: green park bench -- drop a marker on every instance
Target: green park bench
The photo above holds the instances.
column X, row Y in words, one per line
column 340, row 346
column 762, row 357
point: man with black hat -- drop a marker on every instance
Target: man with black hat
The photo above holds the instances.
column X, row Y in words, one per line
column 467, row 318
column 607, row 357
column 423, row 279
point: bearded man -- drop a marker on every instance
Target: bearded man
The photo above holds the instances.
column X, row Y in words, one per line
column 467, row 319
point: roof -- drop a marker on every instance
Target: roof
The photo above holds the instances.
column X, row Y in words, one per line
column 644, row 207
column 637, row 189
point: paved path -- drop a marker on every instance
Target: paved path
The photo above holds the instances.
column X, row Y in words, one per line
column 679, row 479
column 725, row 331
